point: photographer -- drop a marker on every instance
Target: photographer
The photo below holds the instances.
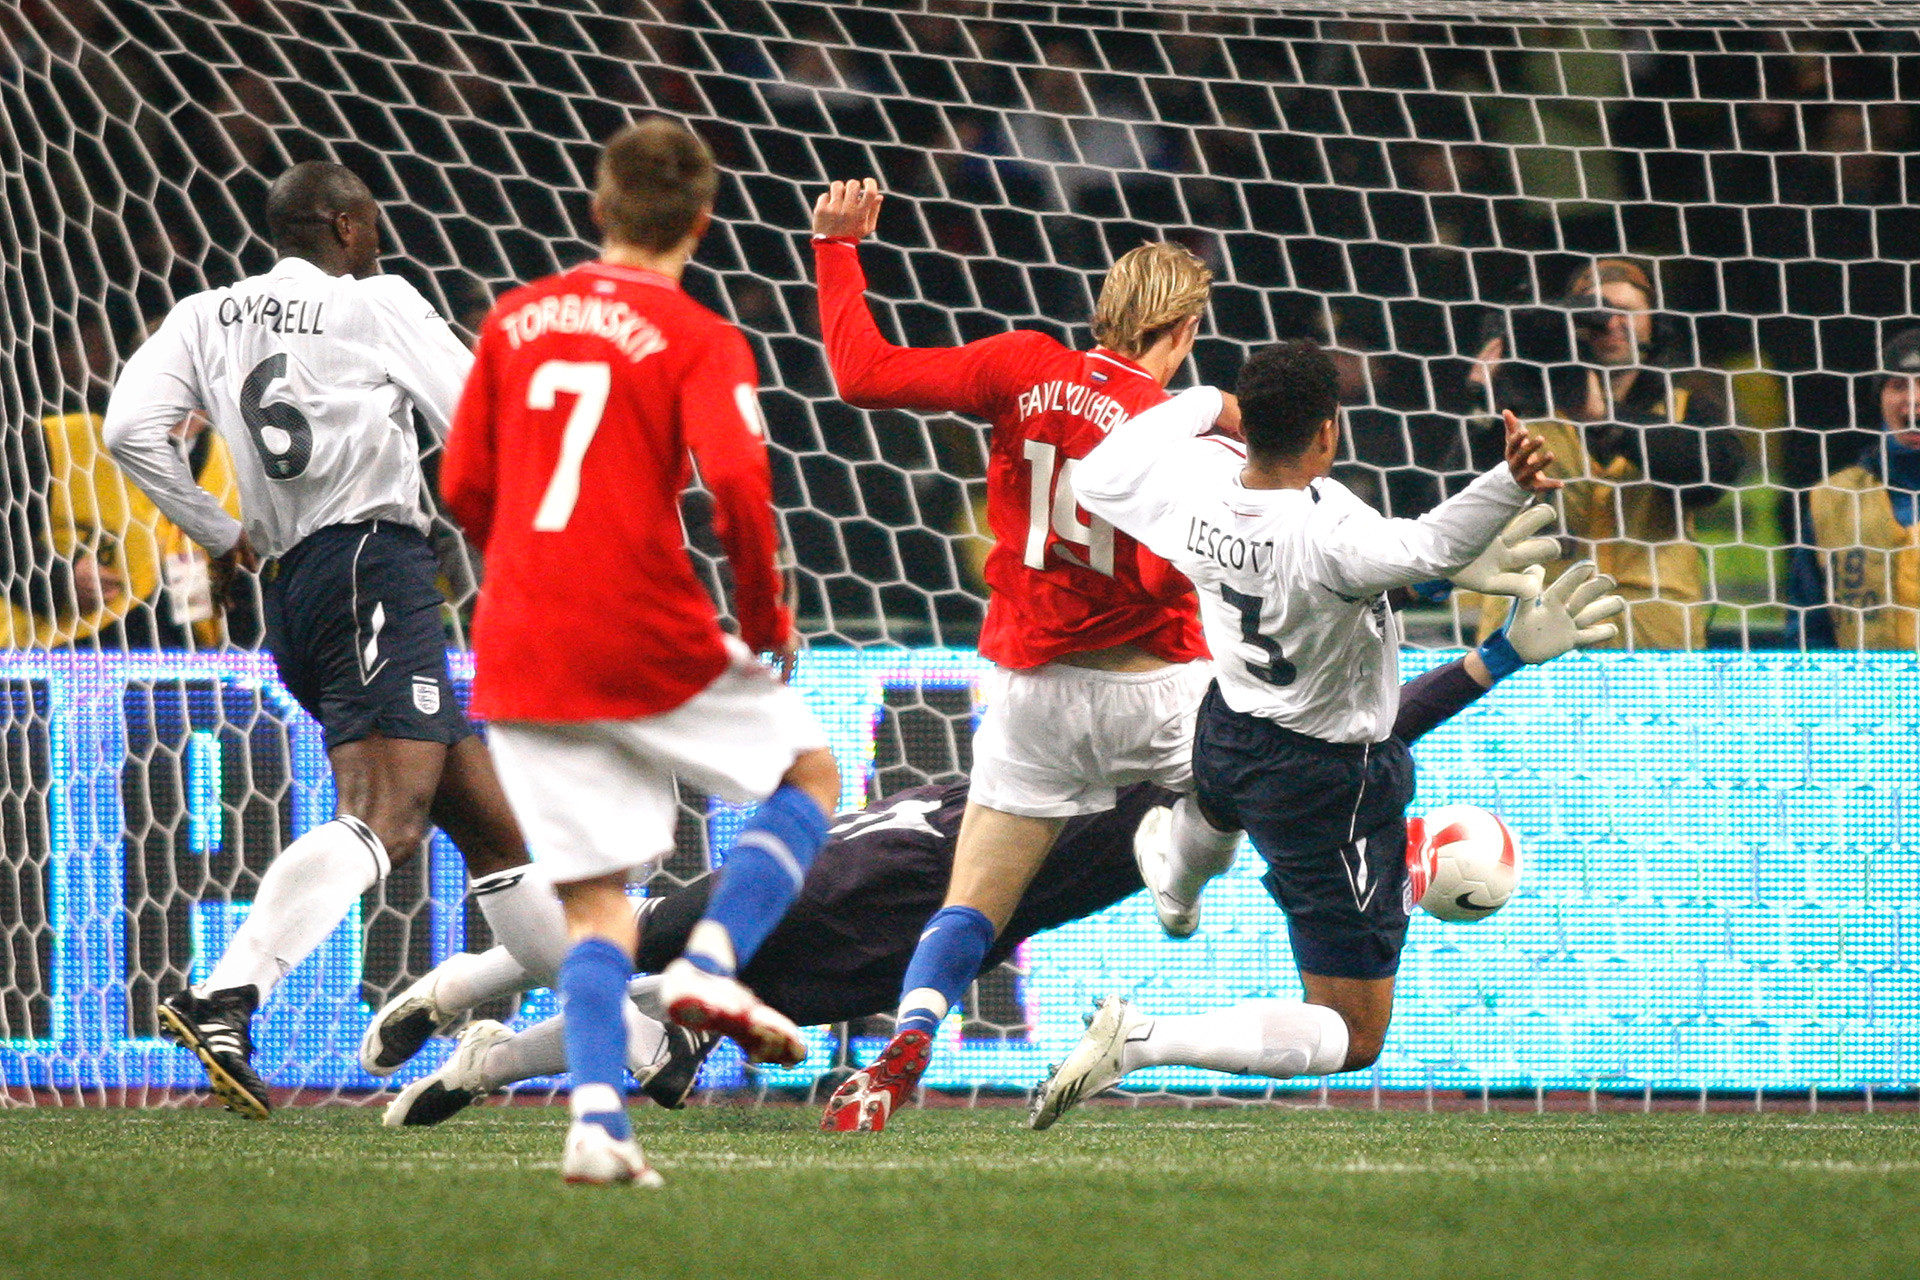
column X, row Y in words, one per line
column 1642, row 447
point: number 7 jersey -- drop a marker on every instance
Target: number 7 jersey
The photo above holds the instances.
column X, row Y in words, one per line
column 568, row 455
column 313, row 381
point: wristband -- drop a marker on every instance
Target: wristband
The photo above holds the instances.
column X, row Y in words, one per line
column 1432, row 591
column 846, row 240
column 1500, row 656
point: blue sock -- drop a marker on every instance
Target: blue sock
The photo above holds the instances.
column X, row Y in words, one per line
column 759, row 879
column 593, row 986
column 948, row 958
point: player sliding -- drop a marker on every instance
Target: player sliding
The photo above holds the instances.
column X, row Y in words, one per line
column 843, row 948
column 313, row 372
column 1295, row 741
column 600, row 665
column 1098, row 656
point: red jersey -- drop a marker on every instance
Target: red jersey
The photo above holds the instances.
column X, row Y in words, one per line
column 1062, row 581
column 565, row 465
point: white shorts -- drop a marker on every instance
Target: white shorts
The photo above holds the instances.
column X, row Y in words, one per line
column 596, row 797
column 1058, row 741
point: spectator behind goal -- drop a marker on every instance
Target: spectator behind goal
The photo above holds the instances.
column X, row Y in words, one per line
column 1864, row 519
column 1642, row 446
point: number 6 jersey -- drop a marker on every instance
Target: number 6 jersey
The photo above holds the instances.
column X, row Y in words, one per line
column 1291, row 581
column 311, row 379
column 568, row 455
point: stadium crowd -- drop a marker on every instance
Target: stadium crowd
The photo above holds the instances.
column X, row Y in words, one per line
column 1728, row 216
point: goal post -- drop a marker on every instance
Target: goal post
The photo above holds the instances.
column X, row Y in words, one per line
column 1720, row 819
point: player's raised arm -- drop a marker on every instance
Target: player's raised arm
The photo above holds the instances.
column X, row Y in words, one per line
column 871, row 372
column 156, row 390
column 724, row 430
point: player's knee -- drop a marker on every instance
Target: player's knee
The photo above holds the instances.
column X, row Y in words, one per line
column 1363, row 1050
column 817, row 773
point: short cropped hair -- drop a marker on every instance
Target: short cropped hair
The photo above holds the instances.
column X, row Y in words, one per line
column 1286, row 391
column 1149, row 291
column 656, row 178
column 1590, row 280
column 306, row 198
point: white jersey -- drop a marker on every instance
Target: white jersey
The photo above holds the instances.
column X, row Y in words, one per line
column 1292, row 582
column 312, row 380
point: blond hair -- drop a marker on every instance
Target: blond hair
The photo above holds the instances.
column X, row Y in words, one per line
column 656, row 178
column 1149, row 291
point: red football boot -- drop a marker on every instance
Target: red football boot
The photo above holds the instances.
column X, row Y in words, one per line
column 865, row 1102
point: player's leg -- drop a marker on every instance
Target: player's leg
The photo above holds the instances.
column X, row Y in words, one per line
column 595, row 812
column 315, row 630
column 746, row 736
column 463, row 981
column 994, row 861
column 513, row 895
column 1278, row 1038
column 1033, row 757
column 1364, row 1004
column 1178, row 849
column 488, row 1057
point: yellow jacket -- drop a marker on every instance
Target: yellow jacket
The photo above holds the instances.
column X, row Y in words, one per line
column 1872, row 562
column 91, row 507
column 1637, row 532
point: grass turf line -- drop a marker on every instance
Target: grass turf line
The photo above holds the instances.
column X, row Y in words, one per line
column 1109, row 1192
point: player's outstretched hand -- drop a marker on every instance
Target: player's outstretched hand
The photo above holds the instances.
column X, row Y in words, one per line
column 1528, row 457
column 1570, row 614
column 225, row 567
column 1501, row 570
column 848, row 210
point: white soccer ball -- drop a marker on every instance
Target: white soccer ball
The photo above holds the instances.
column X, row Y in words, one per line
column 1463, row 863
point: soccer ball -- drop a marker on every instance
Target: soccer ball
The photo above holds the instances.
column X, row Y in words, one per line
column 1463, row 863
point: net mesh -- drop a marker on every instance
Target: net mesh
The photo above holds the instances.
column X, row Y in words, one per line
column 1392, row 183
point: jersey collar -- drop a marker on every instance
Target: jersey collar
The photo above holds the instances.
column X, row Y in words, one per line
column 638, row 275
column 1115, row 358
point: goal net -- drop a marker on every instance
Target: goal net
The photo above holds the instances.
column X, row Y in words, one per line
column 1720, row 819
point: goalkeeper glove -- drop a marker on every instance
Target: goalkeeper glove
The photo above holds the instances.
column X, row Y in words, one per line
column 1570, row 614
column 1500, row 570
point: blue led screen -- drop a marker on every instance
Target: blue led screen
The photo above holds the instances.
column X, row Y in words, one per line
column 1722, row 879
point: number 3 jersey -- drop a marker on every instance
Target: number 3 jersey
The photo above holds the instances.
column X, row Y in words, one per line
column 1291, row 582
column 568, row 455
column 1061, row 583
column 312, row 380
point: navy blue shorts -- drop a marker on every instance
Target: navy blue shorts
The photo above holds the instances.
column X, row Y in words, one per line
column 353, row 622
column 1330, row 819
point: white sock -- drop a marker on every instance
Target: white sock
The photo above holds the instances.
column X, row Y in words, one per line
column 526, row 918
column 644, row 991
column 305, row 894
column 1199, row 852
column 646, row 1041
column 469, row 978
column 541, row 1050
column 1278, row 1038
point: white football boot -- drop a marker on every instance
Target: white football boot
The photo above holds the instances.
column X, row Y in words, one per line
column 706, row 1002
column 1092, row 1067
column 596, row 1157
column 1152, row 844
column 457, row 1085
column 402, row 1026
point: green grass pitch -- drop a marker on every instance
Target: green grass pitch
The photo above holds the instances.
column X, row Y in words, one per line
column 1111, row 1192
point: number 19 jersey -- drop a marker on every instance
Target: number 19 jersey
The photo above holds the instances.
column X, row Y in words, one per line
column 312, row 380
column 1062, row 582
column 568, row 455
